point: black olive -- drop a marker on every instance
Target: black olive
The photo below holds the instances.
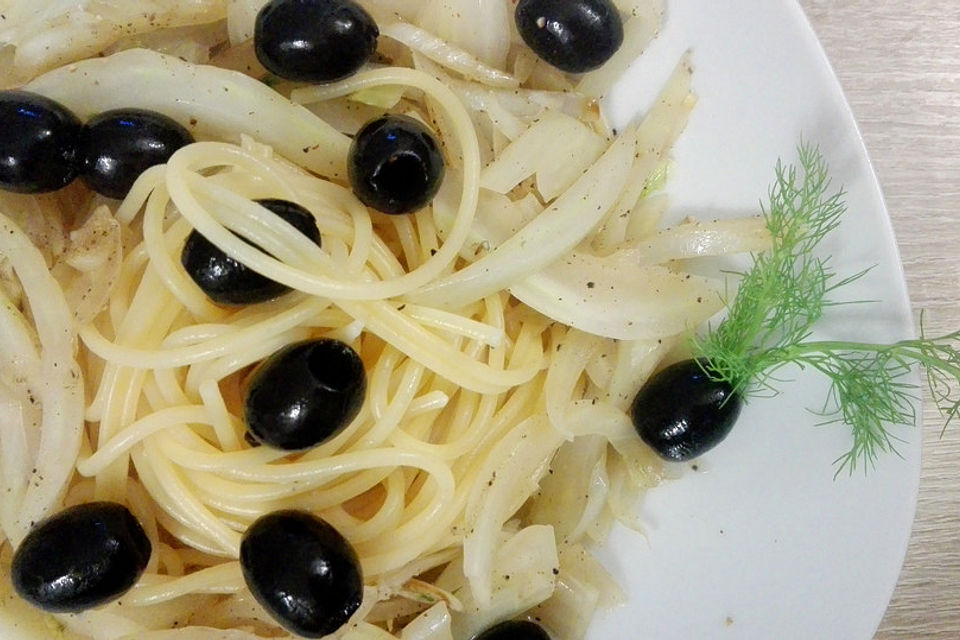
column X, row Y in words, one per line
column 682, row 412
column 302, row 571
column 227, row 281
column 314, row 40
column 514, row 630
column 573, row 35
column 118, row 145
column 304, row 394
column 39, row 143
column 395, row 164
column 81, row 557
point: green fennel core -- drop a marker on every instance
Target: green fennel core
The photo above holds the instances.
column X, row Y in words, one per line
column 783, row 295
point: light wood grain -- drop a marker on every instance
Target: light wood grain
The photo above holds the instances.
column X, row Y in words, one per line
column 899, row 63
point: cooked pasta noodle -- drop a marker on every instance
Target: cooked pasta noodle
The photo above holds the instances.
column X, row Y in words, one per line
column 484, row 375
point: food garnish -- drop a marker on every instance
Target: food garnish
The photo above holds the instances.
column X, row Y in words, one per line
column 769, row 326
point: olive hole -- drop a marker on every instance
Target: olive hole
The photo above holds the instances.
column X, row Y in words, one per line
column 403, row 177
column 331, row 370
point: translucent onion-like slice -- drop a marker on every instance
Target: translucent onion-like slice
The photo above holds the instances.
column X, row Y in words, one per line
column 608, row 298
column 448, row 55
column 91, row 265
column 508, row 476
column 481, row 27
column 526, row 567
column 241, row 16
column 557, row 149
column 55, row 32
column 547, row 238
column 432, row 624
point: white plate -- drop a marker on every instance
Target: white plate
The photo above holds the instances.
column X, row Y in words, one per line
column 762, row 542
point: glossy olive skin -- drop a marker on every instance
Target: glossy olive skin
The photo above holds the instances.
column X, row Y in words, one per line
column 575, row 36
column 681, row 412
column 514, row 630
column 80, row 558
column 314, row 40
column 39, row 143
column 395, row 165
column 228, row 282
column 302, row 571
column 304, row 394
column 118, row 145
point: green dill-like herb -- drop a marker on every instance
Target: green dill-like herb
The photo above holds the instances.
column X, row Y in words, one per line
column 784, row 294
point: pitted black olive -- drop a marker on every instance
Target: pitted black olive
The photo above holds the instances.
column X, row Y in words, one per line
column 80, row 558
column 39, row 143
column 314, row 40
column 682, row 412
column 118, row 145
column 303, row 571
column 304, row 394
column 514, row 630
column 573, row 35
column 227, row 281
column 395, row 165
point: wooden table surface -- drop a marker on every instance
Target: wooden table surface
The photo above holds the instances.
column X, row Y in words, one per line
column 899, row 63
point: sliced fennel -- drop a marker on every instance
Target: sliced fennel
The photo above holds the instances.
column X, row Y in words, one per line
column 526, row 564
column 601, row 295
column 547, row 238
column 448, row 55
column 557, row 149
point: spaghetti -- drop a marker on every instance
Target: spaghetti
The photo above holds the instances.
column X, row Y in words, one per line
column 494, row 431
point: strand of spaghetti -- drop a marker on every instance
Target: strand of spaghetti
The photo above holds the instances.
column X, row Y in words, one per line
column 287, row 246
column 138, row 194
column 427, row 518
column 231, row 362
column 388, row 417
column 427, row 403
column 60, row 391
column 328, row 202
column 172, row 275
column 170, row 559
column 123, row 441
column 455, row 323
column 462, row 442
column 219, row 416
column 342, row 464
column 403, row 227
column 427, row 231
column 180, row 165
column 150, row 316
column 384, row 520
column 252, row 499
column 191, row 539
column 131, row 272
column 182, row 503
column 256, row 224
column 380, row 376
column 406, row 335
column 195, row 334
column 222, row 578
column 215, row 347
column 169, row 386
column 143, row 510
